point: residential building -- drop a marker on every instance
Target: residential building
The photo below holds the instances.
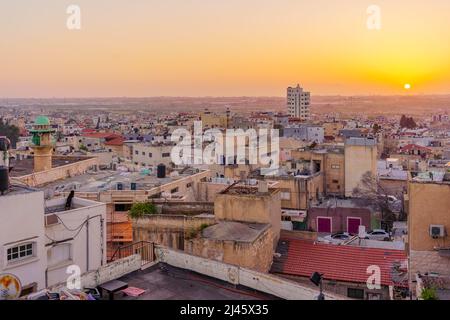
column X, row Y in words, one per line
column 298, row 103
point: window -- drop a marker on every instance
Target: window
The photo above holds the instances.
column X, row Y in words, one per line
column 355, row 293
column 166, row 155
column 335, row 181
column 188, row 185
column 143, row 153
column 136, row 152
column 335, row 166
column 150, row 155
column 20, row 252
column 175, row 190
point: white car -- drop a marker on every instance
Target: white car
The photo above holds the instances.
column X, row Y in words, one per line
column 378, row 234
column 338, row 238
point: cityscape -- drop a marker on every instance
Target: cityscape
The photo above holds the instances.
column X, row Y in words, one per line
column 299, row 185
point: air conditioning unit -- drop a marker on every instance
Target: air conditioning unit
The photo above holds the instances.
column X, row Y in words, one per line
column 437, row 231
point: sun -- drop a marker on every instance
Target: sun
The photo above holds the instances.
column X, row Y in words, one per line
column 407, row 86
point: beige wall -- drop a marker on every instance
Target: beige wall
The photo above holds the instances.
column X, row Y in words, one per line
column 58, row 173
column 335, row 174
column 358, row 161
column 302, row 191
column 251, row 208
column 256, row 255
column 167, row 230
column 429, row 203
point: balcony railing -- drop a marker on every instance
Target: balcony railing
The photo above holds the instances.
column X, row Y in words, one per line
column 143, row 248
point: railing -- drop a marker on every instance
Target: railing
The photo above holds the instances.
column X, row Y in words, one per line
column 143, row 248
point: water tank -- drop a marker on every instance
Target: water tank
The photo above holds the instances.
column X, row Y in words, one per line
column 4, row 179
column 161, row 171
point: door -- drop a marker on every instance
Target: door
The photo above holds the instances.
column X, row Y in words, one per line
column 324, row 225
column 353, row 225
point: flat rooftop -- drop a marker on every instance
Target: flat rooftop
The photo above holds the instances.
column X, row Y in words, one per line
column 25, row 166
column 165, row 282
column 234, row 231
column 105, row 180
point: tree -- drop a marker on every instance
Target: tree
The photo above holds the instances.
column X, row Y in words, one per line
column 408, row 123
column 370, row 192
column 141, row 209
column 11, row 132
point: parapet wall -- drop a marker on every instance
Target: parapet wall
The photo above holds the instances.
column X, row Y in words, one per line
column 59, row 173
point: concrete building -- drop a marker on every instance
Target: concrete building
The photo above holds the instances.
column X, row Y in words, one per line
column 309, row 133
column 247, row 228
column 151, row 154
column 298, row 103
column 39, row 251
column 428, row 227
column 360, row 158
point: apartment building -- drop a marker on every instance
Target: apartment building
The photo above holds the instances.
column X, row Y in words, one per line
column 151, row 154
column 298, row 103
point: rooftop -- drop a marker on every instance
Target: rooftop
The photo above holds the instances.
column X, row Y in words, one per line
column 25, row 166
column 165, row 282
column 234, row 231
column 341, row 263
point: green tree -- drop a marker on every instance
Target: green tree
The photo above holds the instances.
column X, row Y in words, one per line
column 11, row 132
column 142, row 209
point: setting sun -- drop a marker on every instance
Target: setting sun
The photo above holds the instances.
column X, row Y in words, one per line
column 407, row 86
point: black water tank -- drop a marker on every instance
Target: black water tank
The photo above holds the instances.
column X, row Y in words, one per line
column 4, row 179
column 161, row 171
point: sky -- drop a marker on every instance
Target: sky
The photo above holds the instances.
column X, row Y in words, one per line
column 140, row 48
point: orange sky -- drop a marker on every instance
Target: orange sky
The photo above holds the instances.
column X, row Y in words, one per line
column 222, row 48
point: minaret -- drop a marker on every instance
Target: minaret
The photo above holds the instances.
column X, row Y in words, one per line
column 42, row 144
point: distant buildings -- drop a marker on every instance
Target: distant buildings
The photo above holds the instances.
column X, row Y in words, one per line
column 298, row 103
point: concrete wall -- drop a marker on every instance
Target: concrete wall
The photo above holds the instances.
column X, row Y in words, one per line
column 87, row 248
column 263, row 282
column 429, row 204
column 254, row 208
column 167, row 230
column 358, row 161
column 256, row 255
column 109, row 272
column 22, row 221
column 58, row 173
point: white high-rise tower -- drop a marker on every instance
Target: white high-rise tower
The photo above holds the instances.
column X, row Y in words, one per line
column 298, row 103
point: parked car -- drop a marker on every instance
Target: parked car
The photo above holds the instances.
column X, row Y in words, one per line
column 378, row 234
column 338, row 238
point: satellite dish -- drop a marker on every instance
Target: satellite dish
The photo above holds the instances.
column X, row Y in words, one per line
column 10, row 287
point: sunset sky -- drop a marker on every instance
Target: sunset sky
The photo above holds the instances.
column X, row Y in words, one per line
column 222, row 48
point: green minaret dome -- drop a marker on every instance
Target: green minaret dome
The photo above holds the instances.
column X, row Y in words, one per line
column 42, row 121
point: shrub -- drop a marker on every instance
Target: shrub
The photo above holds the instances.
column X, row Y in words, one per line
column 429, row 294
column 141, row 209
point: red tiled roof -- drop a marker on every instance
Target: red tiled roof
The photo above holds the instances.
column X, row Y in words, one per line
column 115, row 142
column 341, row 263
column 410, row 147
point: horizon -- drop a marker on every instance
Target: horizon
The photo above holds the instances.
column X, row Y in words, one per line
column 223, row 49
